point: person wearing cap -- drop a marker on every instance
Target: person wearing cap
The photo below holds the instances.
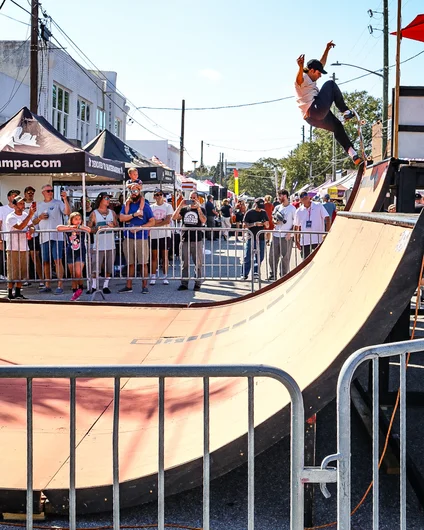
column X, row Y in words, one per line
column 310, row 217
column 418, row 203
column 255, row 220
column 4, row 212
column 330, row 207
column 103, row 216
column 296, row 201
column 282, row 242
column 160, row 239
column 16, row 224
column 49, row 216
column 34, row 242
column 136, row 212
column 315, row 104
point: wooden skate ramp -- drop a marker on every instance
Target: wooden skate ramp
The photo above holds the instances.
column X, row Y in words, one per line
column 349, row 295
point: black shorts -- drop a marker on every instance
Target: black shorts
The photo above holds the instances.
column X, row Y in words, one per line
column 163, row 243
column 34, row 243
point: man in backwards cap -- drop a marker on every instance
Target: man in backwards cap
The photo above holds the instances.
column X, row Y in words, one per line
column 315, row 104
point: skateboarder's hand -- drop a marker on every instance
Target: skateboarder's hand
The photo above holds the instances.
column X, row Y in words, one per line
column 330, row 45
column 301, row 60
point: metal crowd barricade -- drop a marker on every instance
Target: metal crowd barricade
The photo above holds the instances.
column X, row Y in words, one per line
column 298, row 473
column 29, row 263
column 213, row 255
column 343, row 455
column 271, row 264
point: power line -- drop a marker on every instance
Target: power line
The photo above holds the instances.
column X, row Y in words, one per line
column 222, row 106
column 105, row 93
column 15, row 19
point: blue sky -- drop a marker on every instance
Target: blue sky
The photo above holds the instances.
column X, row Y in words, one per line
column 225, row 52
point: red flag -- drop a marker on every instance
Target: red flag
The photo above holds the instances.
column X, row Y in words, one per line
column 235, row 173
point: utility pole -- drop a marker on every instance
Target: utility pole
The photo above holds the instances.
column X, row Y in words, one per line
column 385, row 79
column 34, row 58
column 201, row 154
column 395, row 131
column 333, row 178
column 182, row 138
column 303, row 134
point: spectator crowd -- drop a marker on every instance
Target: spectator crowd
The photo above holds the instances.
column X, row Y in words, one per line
column 36, row 243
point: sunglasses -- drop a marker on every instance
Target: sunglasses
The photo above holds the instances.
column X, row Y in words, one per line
column 158, row 195
column 48, row 191
column 106, row 198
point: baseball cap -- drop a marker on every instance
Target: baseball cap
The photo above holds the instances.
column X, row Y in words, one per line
column 303, row 195
column 314, row 64
column 28, row 188
column 13, row 192
column 326, row 196
column 418, row 196
column 17, row 199
column 260, row 202
column 103, row 194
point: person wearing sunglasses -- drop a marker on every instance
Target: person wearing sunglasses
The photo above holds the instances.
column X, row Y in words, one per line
column 103, row 216
column 49, row 216
column 160, row 239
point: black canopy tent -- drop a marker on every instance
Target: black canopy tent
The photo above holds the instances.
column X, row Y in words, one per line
column 108, row 145
column 29, row 144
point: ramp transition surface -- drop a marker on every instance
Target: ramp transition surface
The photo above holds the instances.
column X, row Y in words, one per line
column 347, row 296
column 373, row 184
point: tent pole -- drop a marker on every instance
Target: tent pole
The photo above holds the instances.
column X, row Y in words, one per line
column 84, row 202
column 397, row 86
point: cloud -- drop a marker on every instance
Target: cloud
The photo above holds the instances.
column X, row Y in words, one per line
column 209, row 73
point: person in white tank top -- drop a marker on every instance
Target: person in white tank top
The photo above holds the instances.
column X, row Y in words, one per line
column 104, row 241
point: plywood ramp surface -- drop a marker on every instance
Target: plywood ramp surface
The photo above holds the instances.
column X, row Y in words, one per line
column 348, row 296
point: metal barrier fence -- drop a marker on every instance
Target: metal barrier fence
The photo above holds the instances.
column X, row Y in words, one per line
column 183, row 254
column 299, row 474
column 343, row 455
column 180, row 253
column 45, row 256
column 284, row 253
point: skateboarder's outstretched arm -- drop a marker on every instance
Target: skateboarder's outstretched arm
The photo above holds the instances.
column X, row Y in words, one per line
column 299, row 76
column 325, row 54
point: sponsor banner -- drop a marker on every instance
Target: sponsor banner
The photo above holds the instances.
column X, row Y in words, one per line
column 104, row 167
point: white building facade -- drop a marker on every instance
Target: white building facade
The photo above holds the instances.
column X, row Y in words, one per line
column 162, row 149
column 78, row 102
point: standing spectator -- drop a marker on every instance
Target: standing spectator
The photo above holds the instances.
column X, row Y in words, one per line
column 49, row 216
column 240, row 211
column 418, row 203
column 330, row 207
column 17, row 246
column 192, row 215
column 211, row 213
column 296, row 201
column 160, row 239
column 269, row 207
column 104, row 242
column 255, row 220
column 226, row 213
column 4, row 212
column 136, row 212
column 76, row 250
column 310, row 217
column 281, row 245
column 34, row 242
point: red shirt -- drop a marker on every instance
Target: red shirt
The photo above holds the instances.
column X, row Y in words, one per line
column 269, row 209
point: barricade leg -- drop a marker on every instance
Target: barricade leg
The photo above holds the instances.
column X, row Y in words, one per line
column 185, row 258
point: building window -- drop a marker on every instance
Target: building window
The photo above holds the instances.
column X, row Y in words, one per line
column 83, row 120
column 118, row 127
column 60, row 109
column 100, row 120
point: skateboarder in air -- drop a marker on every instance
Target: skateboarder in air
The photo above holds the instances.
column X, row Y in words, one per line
column 315, row 104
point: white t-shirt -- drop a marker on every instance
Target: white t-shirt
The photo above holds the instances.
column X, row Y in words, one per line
column 17, row 240
column 289, row 212
column 160, row 213
column 104, row 240
column 306, row 93
column 316, row 213
column 55, row 209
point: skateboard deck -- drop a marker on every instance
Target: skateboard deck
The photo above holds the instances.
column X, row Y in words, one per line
column 359, row 123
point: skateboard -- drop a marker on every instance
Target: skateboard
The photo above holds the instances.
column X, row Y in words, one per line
column 359, row 123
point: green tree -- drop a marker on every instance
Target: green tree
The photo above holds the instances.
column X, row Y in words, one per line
column 258, row 180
